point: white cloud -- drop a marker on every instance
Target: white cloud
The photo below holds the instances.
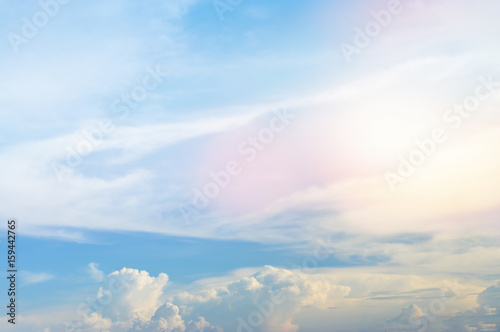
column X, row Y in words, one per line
column 275, row 294
column 270, row 299
column 35, row 278
column 166, row 318
column 138, row 295
column 96, row 274
column 484, row 316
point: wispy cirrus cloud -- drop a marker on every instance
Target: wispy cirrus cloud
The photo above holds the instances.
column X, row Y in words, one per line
column 31, row 278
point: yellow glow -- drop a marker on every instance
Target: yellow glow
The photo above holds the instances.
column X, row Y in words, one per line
column 382, row 139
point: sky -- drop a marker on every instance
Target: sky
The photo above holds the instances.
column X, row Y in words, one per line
column 237, row 165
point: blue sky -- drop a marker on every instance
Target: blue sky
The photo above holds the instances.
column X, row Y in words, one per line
column 207, row 258
column 339, row 154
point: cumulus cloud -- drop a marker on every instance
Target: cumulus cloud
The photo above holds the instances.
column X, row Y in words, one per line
column 130, row 300
column 490, row 297
column 484, row 317
column 200, row 324
column 438, row 318
column 410, row 319
column 166, row 318
column 274, row 299
column 91, row 322
column 132, row 293
column 264, row 301
column 96, row 274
